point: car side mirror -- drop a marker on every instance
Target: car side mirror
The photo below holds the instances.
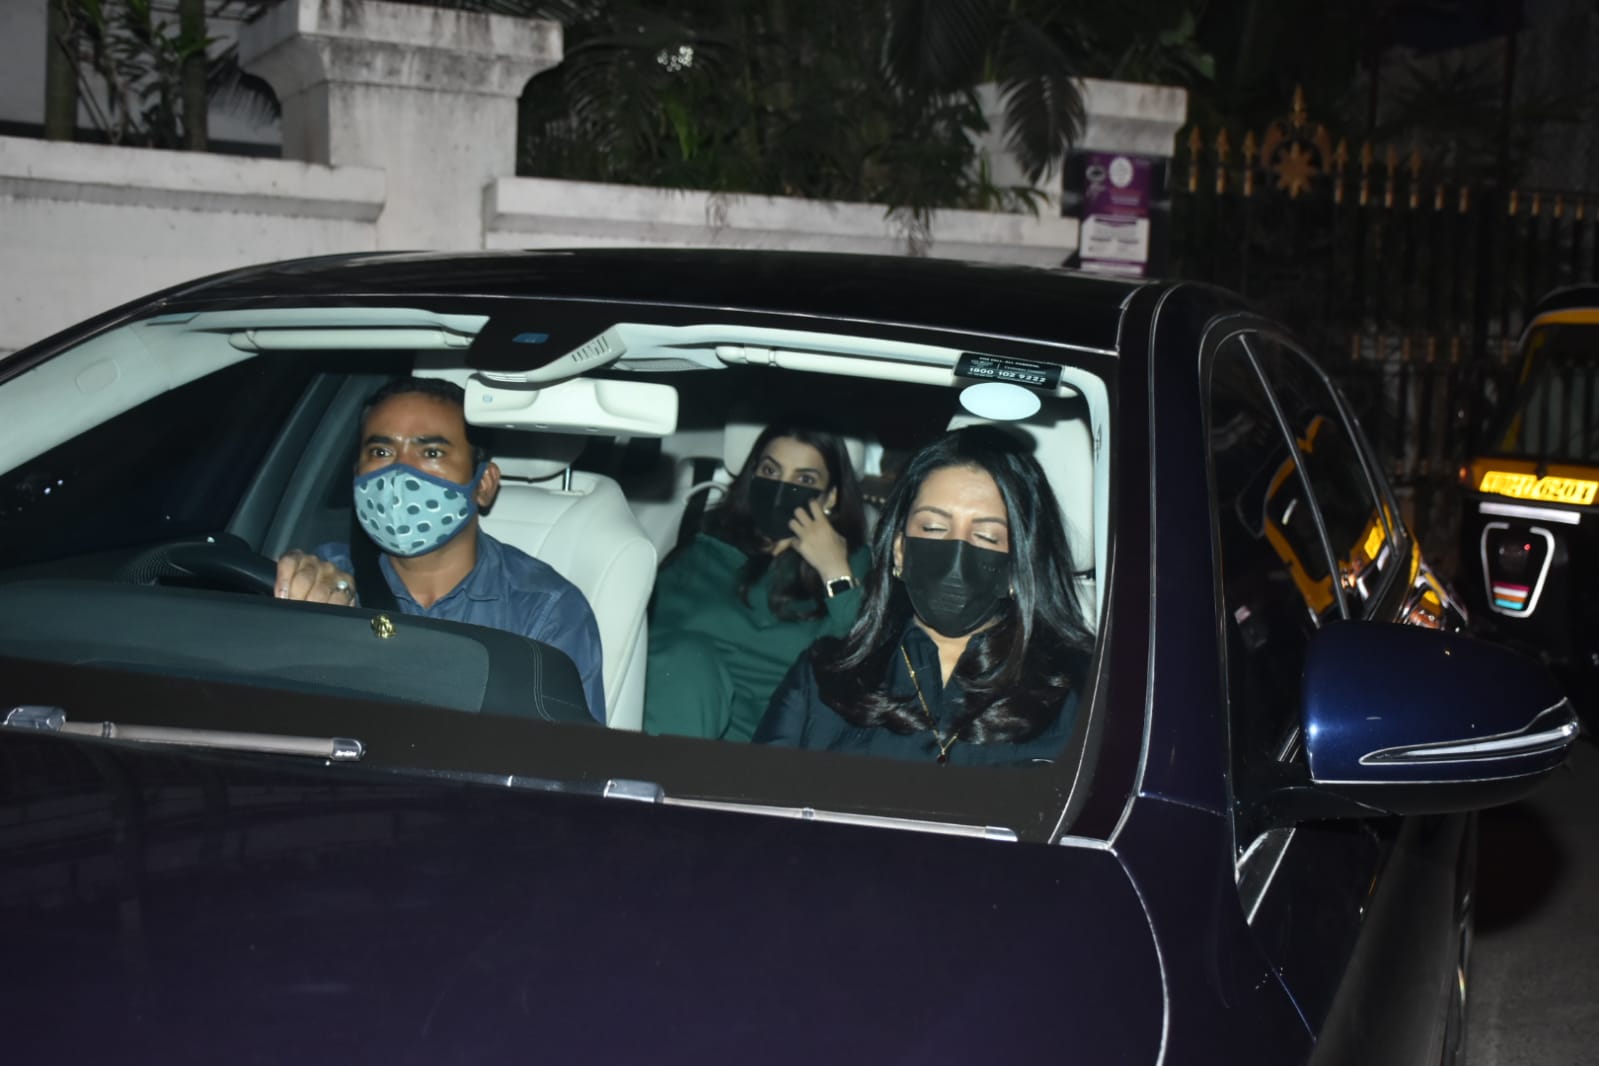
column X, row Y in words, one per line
column 1408, row 720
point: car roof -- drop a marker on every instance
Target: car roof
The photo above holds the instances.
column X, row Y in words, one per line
column 1031, row 302
column 1569, row 298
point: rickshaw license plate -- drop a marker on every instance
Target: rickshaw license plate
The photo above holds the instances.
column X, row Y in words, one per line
column 1576, row 491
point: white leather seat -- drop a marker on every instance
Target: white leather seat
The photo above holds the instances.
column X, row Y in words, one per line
column 581, row 525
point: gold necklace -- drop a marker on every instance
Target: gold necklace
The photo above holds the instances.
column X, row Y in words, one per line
column 932, row 723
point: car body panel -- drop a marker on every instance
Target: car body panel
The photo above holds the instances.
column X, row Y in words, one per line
column 1405, row 975
column 1184, row 763
column 264, row 916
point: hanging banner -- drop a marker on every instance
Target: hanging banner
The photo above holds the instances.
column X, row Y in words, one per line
column 1117, row 191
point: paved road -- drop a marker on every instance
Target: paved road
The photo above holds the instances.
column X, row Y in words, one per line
column 1534, row 992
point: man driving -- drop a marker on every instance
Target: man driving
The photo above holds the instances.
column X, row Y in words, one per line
column 419, row 484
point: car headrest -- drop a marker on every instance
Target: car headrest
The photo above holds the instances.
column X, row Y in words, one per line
column 1064, row 448
column 536, row 456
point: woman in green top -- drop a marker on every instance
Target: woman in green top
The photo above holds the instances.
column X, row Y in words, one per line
column 777, row 567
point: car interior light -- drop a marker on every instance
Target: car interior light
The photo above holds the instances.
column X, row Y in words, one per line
column 1000, row 401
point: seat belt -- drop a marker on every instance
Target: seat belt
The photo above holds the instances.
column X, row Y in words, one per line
column 694, row 510
column 371, row 588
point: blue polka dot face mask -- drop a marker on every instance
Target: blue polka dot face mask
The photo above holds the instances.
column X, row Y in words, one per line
column 407, row 512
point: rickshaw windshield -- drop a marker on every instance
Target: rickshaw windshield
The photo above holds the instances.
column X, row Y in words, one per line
column 1556, row 414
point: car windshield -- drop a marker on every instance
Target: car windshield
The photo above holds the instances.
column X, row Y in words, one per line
column 620, row 434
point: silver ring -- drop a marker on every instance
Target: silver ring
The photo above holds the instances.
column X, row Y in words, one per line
column 342, row 585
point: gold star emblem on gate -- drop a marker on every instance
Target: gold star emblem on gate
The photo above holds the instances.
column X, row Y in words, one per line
column 1295, row 168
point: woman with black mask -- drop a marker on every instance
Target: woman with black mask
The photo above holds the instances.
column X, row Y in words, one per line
column 970, row 646
column 777, row 566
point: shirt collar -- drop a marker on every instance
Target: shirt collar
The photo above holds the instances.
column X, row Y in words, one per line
column 942, row 699
column 486, row 581
column 916, row 640
column 922, row 651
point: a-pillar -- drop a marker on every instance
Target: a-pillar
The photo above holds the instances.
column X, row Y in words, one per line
column 427, row 95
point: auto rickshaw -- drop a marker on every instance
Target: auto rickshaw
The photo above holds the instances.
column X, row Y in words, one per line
column 1529, row 561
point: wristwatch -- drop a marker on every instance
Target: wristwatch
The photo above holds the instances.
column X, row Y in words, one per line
column 840, row 584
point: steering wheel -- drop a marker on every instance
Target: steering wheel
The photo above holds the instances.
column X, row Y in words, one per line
column 217, row 560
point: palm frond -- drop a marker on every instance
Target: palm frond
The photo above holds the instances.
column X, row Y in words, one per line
column 1043, row 107
column 229, row 87
column 939, row 45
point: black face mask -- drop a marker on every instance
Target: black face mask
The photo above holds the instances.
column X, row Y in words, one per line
column 773, row 503
column 954, row 587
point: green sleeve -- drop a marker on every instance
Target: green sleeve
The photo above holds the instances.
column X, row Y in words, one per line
column 843, row 608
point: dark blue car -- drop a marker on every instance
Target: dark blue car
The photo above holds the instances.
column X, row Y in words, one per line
column 238, row 829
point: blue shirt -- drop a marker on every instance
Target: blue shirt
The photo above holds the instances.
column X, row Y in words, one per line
column 509, row 589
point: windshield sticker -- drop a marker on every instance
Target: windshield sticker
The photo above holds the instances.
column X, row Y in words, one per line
column 1017, row 371
column 1576, row 491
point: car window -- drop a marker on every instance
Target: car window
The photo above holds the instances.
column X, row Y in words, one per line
column 174, row 466
column 1360, row 529
column 599, row 484
column 1275, row 573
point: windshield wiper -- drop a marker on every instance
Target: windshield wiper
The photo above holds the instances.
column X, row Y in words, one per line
column 650, row 792
column 54, row 720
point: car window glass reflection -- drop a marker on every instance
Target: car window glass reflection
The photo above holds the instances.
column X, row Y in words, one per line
column 1359, row 528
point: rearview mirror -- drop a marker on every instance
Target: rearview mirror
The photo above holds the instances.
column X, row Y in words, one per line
column 1410, row 720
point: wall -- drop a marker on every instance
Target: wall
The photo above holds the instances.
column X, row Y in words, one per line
column 86, row 227
column 399, row 125
column 540, row 213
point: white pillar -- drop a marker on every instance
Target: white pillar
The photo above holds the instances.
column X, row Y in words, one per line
column 428, row 96
column 1136, row 119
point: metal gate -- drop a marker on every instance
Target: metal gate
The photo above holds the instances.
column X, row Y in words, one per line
column 1411, row 289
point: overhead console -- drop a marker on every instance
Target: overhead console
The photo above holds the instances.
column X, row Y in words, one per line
column 599, row 406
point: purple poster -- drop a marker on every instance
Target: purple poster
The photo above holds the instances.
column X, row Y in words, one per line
column 1114, row 238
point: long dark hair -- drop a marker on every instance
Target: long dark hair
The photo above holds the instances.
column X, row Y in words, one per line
column 1017, row 673
column 796, row 591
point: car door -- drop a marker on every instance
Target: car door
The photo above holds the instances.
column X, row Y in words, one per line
column 1305, row 534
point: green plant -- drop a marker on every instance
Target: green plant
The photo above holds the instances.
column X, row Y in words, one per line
column 791, row 99
column 131, row 57
column 138, row 59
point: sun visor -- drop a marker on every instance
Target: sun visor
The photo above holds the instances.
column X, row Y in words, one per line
column 578, row 405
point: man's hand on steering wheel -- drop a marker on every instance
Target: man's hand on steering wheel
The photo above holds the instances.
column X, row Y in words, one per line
column 302, row 576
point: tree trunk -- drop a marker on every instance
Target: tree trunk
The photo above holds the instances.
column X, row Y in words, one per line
column 195, row 100
column 60, row 74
